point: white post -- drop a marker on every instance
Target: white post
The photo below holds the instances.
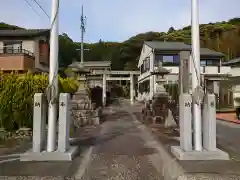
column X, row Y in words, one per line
column 185, row 123
column 53, row 77
column 131, row 88
column 104, row 89
column 196, row 76
column 64, row 123
column 39, row 122
column 209, row 122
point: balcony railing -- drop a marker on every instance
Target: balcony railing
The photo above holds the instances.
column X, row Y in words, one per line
column 16, row 51
column 204, row 70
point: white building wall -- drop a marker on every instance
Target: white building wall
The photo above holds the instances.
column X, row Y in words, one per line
column 33, row 46
column 146, row 51
column 235, row 71
column 29, row 45
column 1, row 46
column 152, row 79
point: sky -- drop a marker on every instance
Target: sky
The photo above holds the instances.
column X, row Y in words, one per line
column 115, row 20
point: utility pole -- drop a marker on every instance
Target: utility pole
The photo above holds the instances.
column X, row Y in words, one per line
column 196, row 74
column 53, row 78
column 83, row 29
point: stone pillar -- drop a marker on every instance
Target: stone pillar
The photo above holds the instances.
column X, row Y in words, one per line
column 210, row 86
column 185, row 103
column 132, row 88
column 184, row 72
column 216, row 87
column 39, row 122
column 104, row 89
column 64, row 122
column 209, row 122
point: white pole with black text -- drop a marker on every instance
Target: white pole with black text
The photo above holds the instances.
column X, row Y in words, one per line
column 196, row 74
column 53, row 78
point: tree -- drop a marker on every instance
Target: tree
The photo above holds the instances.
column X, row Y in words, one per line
column 67, row 50
column 171, row 29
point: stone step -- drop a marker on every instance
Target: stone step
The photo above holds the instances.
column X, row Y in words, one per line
column 79, row 101
column 80, row 105
column 77, row 96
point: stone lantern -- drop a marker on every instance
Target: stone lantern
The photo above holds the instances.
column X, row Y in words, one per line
column 160, row 72
column 159, row 105
column 81, row 103
column 80, row 71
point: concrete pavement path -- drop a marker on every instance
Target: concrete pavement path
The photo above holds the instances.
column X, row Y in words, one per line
column 228, row 138
column 120, row 152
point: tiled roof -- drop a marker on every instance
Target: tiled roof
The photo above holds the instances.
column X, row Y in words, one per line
column 232, row 61
column 92, row 64
column 179, row 46
column 24, row 32
column 162, row 45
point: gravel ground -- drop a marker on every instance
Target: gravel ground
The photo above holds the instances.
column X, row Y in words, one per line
column 121, row 153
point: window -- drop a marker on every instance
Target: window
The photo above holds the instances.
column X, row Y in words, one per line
column 167, row 60
column 12, row 47
column 146, row 65
column 209, row 62
column 202, row 62
column 176, row 59
column 158, row 58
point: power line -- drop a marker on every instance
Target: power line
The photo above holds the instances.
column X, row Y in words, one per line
column 32, row 7
column 39, row 5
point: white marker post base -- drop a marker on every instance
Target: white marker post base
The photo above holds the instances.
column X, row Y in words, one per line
column 210, row 152
column 198, row 155
column 50, row 156
column 65, row 152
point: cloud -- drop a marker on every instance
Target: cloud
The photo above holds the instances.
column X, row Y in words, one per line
column 119, row 19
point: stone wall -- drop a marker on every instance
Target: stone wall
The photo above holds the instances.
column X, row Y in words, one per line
column 83, row 111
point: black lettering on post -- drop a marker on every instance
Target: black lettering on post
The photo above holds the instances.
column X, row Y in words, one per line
column 37, row 104
column 212, row 104
column 187, row 104
column 62, row 104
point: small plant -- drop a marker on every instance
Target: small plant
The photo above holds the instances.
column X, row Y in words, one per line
column 16, row 97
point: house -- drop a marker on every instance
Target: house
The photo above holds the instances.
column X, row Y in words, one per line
column 235, row 66
column 234, row 80
column 24, row 50
column 167, row 53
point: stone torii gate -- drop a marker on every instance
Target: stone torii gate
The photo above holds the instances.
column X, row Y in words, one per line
column 106, row 76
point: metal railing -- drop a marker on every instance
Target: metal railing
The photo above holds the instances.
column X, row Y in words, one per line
column 16, row 51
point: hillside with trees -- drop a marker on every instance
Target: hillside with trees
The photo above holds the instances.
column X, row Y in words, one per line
column 220, row 36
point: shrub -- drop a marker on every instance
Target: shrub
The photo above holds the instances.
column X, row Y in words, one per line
column 16, row 97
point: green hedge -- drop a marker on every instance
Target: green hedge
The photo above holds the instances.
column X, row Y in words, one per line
column 16, row 97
